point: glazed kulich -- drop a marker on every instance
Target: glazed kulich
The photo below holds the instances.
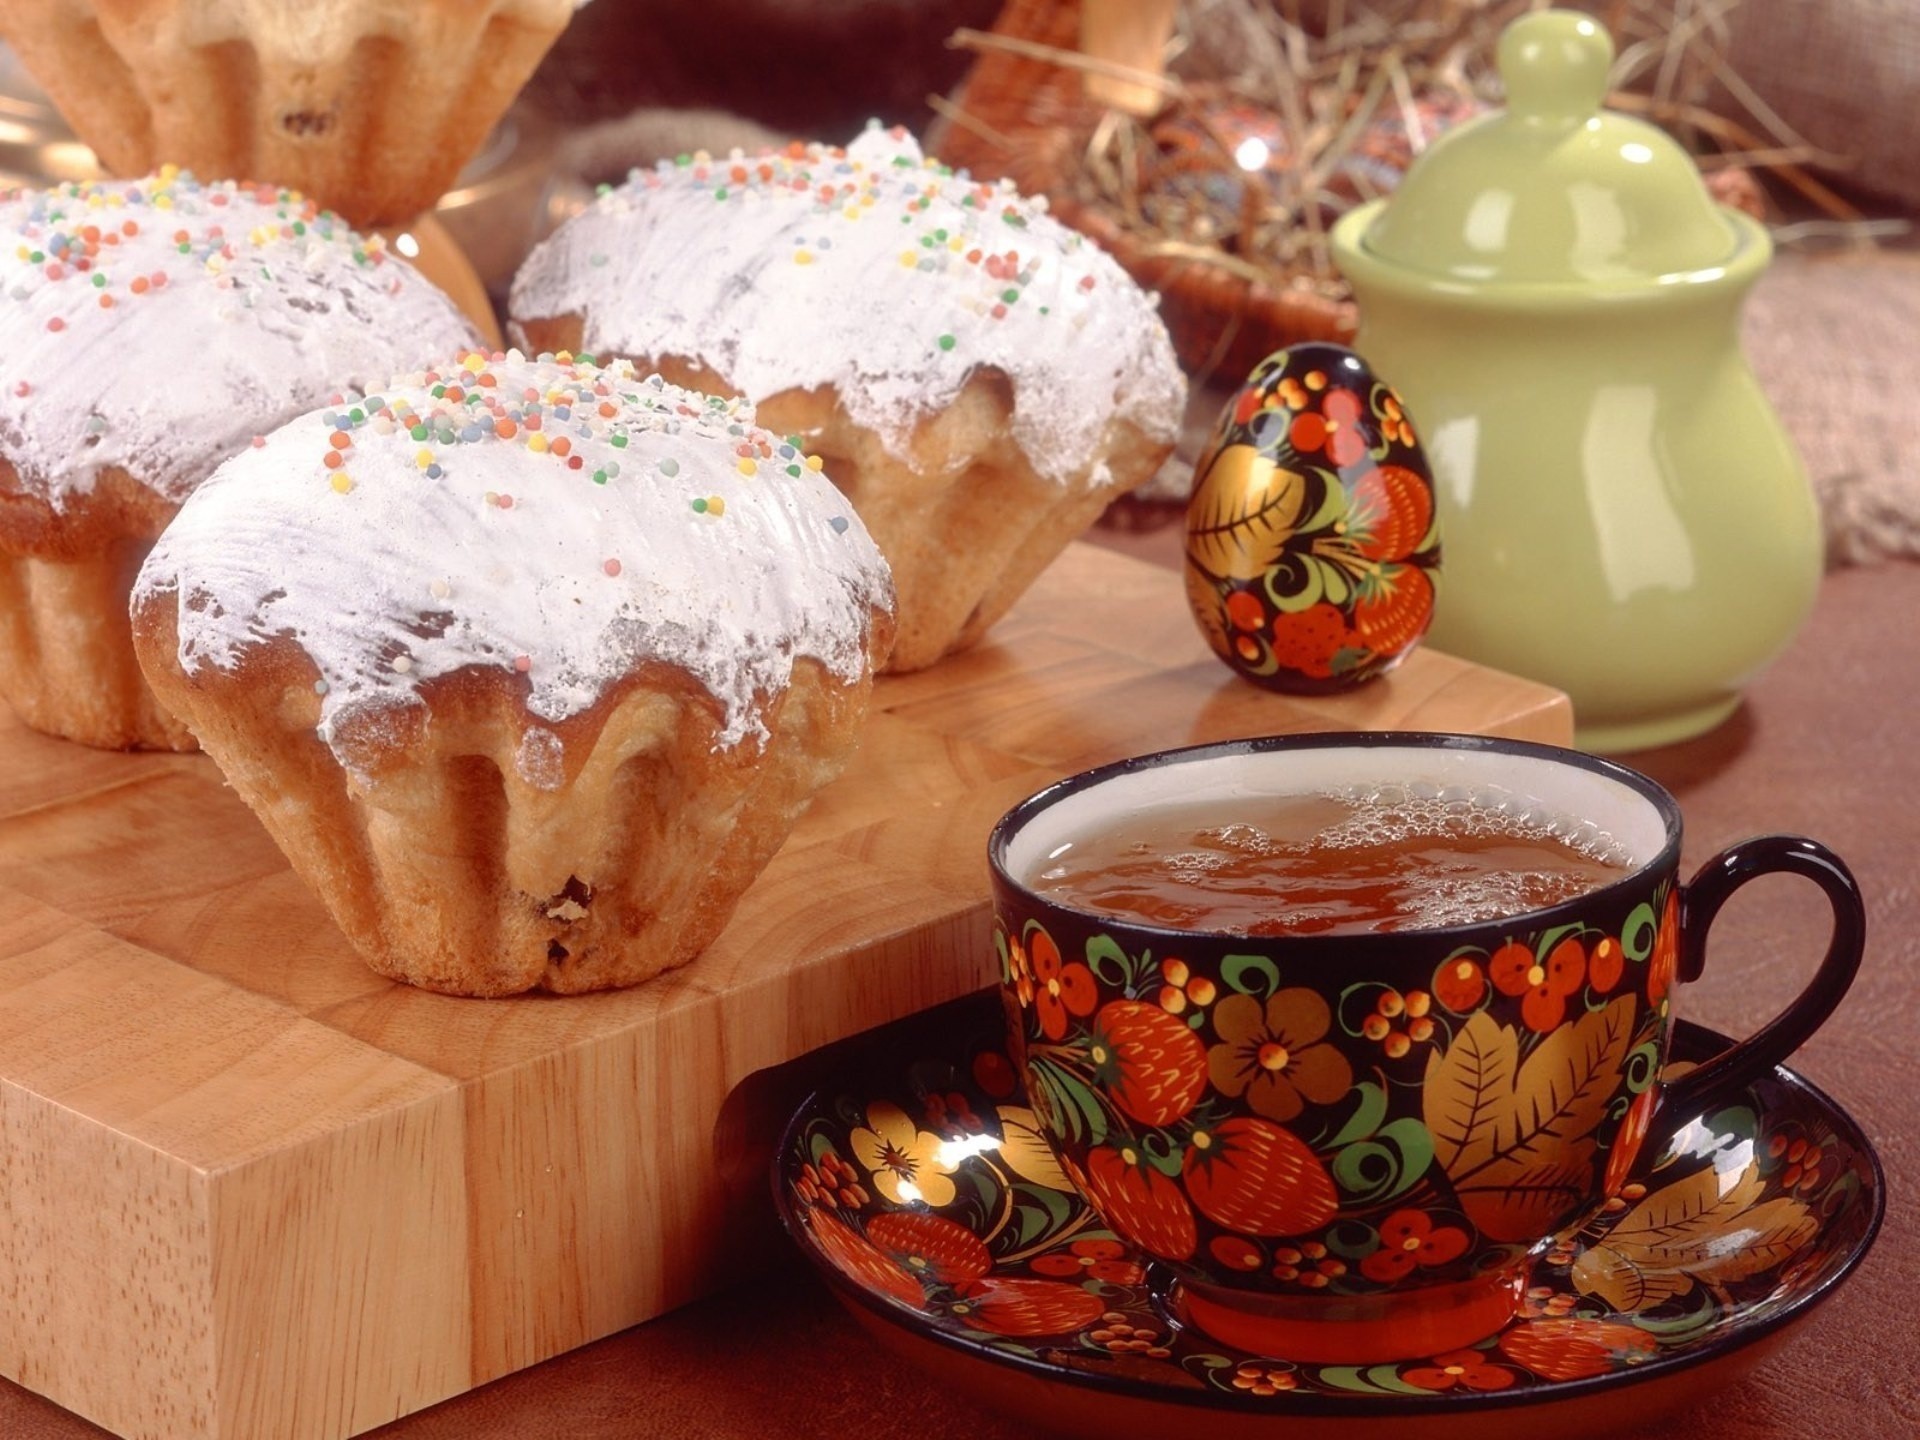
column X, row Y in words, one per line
column 148, row 330
column 528, row 665
column 982, row 380
column 371, row 106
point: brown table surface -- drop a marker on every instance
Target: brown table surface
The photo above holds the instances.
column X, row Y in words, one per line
column 1827, row 744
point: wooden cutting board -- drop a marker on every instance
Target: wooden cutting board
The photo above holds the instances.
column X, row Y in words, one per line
column 248, row 1189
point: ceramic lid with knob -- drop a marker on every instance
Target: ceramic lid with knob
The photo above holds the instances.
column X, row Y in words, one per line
column 1554, row 188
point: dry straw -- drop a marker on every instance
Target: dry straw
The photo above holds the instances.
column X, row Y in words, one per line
column 1243, row 263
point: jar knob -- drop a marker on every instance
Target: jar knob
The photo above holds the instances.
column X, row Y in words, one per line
column 1554, row 64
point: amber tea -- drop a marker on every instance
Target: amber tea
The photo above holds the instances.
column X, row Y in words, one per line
column 1327, row 864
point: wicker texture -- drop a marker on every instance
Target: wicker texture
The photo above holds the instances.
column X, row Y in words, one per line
column 1029, row 119
column 1023, row 113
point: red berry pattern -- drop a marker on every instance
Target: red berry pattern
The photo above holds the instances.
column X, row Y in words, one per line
column 1151, row 1063
column 1254, row 1177
column 1307, row 640
column 1390, row 615
column 1145, row 1207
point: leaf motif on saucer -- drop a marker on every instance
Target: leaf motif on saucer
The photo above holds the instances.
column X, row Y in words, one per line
column 1025, row 1152
column 1688, row 1233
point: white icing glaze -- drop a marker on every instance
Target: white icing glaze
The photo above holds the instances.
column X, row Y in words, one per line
column 876, row 271
column 415, row 557
column 272, row 308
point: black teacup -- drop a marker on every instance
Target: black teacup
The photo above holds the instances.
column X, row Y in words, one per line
column 1349, row 1146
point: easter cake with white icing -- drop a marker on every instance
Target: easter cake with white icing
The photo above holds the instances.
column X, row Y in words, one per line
column 148, row 330
column 982, row 380
column 370, row 106
column 528, row 665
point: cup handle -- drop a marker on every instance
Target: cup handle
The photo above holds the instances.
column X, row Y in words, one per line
column 1733, row 1069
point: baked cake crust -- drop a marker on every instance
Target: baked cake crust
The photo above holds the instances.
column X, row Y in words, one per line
column 529, row 669
column 982, row 380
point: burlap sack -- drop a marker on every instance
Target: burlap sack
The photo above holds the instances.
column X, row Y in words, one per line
column 1845, row 76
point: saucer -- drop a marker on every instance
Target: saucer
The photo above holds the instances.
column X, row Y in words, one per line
column 923, row 1193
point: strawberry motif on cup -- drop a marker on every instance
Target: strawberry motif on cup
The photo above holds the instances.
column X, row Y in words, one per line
column 1312, row 546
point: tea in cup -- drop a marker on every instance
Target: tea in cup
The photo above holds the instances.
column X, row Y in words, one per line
column 1344, row 1030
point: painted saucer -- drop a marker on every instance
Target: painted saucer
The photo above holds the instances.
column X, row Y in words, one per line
column 923, row 1193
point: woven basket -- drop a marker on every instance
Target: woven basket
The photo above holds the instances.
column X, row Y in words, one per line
column 1029, row 120
column 1026, row 117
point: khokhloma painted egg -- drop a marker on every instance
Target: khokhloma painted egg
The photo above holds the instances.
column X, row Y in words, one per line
column 1312, row 547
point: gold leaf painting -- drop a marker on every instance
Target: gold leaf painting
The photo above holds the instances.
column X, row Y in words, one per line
column 1515, row 1137
column 1242, row 514
column 1692, row 1232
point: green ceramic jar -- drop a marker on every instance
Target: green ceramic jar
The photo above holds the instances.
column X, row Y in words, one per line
column 1557, row 298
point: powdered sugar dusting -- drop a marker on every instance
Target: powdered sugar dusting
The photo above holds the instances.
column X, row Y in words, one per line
column 540, row 759
column 874, row 270
column 158, row 325
column 543, row 517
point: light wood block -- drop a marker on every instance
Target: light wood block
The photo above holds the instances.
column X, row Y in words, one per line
column 249, row 1189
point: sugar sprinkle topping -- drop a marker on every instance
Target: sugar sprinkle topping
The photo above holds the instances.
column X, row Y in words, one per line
column 249, row 302
column 872, row 268
column 572, row 522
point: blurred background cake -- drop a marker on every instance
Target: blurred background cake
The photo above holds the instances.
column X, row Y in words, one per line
column 369, row 106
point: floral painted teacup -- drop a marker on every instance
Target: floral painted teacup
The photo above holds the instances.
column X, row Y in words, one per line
column 1349, row 1147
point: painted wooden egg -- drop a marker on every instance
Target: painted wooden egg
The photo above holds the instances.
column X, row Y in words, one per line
column 1312, row 548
